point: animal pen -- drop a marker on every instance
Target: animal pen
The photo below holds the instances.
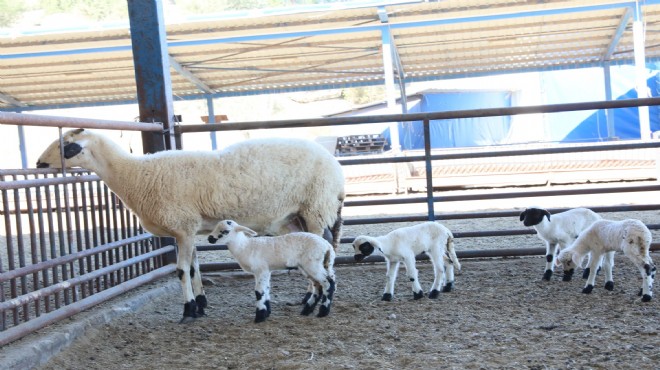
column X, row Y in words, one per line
column 71, row 244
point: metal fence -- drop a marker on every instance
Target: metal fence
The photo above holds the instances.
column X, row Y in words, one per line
column 70, row 243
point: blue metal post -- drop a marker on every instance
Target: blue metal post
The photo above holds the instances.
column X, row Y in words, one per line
column 209, row 104
column 429, row 169
column 22, row 147
column 152, row 71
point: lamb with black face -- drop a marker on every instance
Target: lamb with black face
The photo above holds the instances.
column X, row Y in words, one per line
column 365, row 249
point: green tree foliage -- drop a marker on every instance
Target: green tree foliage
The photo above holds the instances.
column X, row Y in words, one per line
column 10, row 11
column 95, row 10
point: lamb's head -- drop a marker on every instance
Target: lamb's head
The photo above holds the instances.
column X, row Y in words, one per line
column 227, row 230
column 74, row 150
column 533, row 216
column 363, row 246
column 568, row 259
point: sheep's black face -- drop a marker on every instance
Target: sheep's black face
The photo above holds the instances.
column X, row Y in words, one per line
column 213, row 239
column 533, row 216
column 366, row 249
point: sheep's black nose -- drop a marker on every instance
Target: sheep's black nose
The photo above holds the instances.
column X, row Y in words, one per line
column 212, row 239
column 42, row 165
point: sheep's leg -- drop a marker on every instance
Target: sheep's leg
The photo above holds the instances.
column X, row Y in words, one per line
column 198, row 288
column 550, row 252
column 591, row 280
column 413, row 275
column 608, row 264
column 262, row 282
column 648, row 275
column 185, row 274
column 440, row 269
column 392, row 271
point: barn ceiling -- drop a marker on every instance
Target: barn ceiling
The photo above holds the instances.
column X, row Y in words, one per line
column 330, row 48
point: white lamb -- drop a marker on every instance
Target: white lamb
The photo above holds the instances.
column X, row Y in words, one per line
column 273, row 186
column 558, row 232
column 309, row 253
column 403, row 244
column 602, row 239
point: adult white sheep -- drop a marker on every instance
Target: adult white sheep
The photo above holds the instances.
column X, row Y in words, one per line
column 558, row 232
column 403, row 244
column 307, row 252
column 269, row 185
column 602, row 239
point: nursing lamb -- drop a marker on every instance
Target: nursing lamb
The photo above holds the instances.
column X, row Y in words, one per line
column 273, row 186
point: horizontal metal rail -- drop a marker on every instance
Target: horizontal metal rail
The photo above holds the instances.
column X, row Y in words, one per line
column 17, row 332
column 22, row 119
column 24, row 184
column 55, row 288
column 407, row 117
column 39, row 266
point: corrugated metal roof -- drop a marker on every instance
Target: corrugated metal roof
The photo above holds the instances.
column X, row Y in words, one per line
column 327, row 49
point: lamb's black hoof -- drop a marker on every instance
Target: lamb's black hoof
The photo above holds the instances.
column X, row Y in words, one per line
column 190, row 309
column 588, row 289
column 306, row 297
column 260, row 315
column 418, row 295
column 434, row 294
column 202, row 303
column 568, row 275
column 387, row 297
column 448, row 287
column 323, row 311
column 585, row 273
column 308, row 309
column 609, row 285
column 646, row 298
column 547, row 275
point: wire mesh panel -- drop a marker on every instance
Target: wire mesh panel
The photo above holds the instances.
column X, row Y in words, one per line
column 65, row 238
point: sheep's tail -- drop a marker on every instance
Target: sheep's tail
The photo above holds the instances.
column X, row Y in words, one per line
column 451, row 253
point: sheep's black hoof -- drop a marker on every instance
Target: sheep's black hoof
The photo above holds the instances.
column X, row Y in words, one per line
column 588, row 289
column 308, row 309
column 418, row 295
column 448, row 287
column 189, row 312
column 387, row 297
column 434, row 294
column 260, row 315
column 646, row 298
column 547, row 275
column 609, row 285
column 306, row 298
column 202, row 303
column 568, row 276
column 323, row 311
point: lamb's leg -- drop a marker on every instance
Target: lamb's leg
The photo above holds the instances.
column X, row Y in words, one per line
column 262, row 281
column 648, row 275
column 550, row 252
column 392, row 270
column 184, row 272
column 587, row 270
column 608, row 264
column 593, row 265
column 449, row 275
column 439, row 269
column 326, row 285
column 314, row 298
column 413, row 275
column 198, row 288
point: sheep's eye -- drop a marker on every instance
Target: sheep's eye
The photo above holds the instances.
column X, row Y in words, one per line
column 228, row 222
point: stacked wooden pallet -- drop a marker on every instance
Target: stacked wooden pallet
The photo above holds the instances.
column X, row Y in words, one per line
column 360, row 144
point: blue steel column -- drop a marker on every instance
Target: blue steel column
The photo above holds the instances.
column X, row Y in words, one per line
column 152, row 71
column 209, row 105
column 153, row 81
column 429, row 170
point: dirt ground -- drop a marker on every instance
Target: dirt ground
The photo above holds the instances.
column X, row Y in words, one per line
column 500, row 315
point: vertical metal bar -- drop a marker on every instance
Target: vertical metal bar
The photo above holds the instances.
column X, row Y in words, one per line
column 62, row 240
column 51, row 240
column 78, row 237
column 20, row 247
column 34, row 248
column 11, row 257
column 5, row 208
column 429, row 170
column 115, row 235
column 42, row 241
column 22, row 146
column 87, row 212
column 211, row 112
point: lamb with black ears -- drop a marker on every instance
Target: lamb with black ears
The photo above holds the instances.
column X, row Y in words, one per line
column 403, row 244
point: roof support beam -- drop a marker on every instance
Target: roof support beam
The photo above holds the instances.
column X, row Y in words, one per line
column 152, row 72
column 623, row 23
column 185, row 73
column 389, row 86
column 640, row 73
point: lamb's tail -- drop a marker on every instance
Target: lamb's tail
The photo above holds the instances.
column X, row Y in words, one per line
column 451, row 253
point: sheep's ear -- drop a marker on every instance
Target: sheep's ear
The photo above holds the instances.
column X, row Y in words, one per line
column 547, row 214
column 246, row 230
column 522, row 215
column 77, row 131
